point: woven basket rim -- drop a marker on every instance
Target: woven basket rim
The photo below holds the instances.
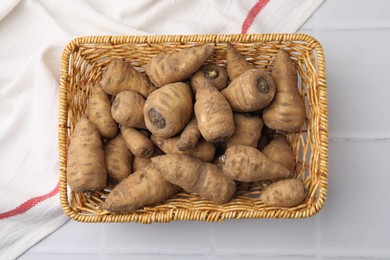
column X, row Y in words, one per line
column 205, row 38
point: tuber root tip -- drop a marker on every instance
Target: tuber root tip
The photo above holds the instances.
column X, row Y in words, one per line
column 156, row 118
column 222, row 159
column 262, row 85
column 211, row 74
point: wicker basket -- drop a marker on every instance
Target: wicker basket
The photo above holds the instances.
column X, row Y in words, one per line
column 85, row 58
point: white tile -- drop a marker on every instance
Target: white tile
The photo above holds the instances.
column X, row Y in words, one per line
column 357, row 81
column 257, row 257
column 315, row 34
column 83, row 237
column 254, row 236
column 58, row 256
column 196, row 257
column 355, row 218
column 354, row 258
column 168, row 238
column 355, row 112
column 153, row 257
column 351, row 14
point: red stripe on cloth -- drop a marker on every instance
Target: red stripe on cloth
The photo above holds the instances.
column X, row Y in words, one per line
column 29, row 204
column 252, row 15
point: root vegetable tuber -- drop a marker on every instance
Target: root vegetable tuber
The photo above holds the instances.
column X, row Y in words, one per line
column 213, row 114
column 118, row 158
column 99, row 112
column 247, row 164
column 284, row 193
column 86, row 169
column 121, row 76
column 177, row 66
column 168, row 109
column 141, row 188
column 128, row 109
column 287, row 111
column 248, row 130
column 251, row 91
column 213, row 74
column 279, row 151
column 141, row 162
column 204, row 151
column 236, row 63
column 193, row 175
column 190, row 136
column 139, row 144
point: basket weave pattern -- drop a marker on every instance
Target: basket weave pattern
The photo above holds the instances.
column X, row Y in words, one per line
column 85, row 58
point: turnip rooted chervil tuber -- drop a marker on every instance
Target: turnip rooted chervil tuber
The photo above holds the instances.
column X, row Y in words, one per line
column 168, row 109
column 177, row 66
column 287, row 111
column 193, row 175
column 86, row 169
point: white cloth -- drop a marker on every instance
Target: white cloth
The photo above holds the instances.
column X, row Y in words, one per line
column 33, row 34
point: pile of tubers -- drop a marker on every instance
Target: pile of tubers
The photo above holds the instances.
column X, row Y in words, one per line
column 187, row 125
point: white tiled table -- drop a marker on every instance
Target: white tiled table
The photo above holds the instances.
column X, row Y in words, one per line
column 354, row 223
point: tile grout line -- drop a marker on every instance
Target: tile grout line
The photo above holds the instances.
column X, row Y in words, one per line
column 353, row 139
column 369, row 254
column 269, row 253
column 262, row 253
